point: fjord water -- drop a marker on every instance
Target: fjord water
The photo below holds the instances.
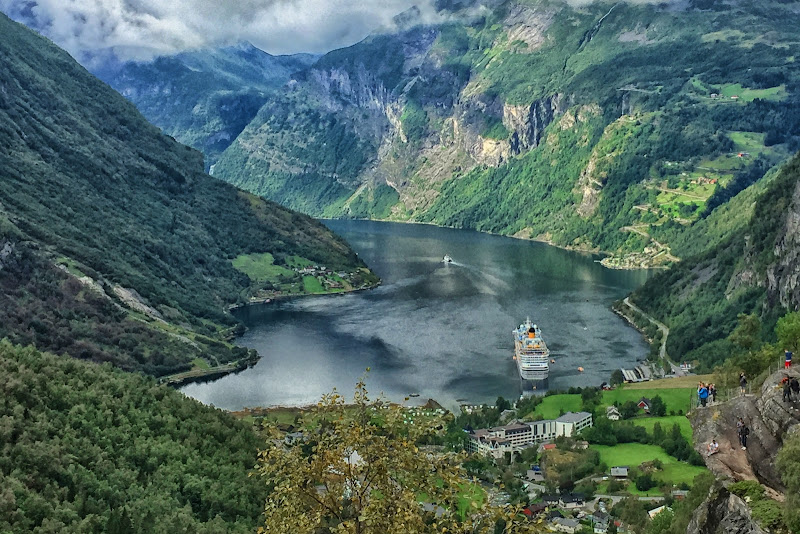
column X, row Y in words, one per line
column 440, row 330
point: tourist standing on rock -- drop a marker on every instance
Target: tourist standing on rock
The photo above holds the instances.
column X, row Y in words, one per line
column 712, row 389
column 787, row 389
column 702, row 394
column 795, row 385
column 787, row 355
column 742, row 382
column 743, row 433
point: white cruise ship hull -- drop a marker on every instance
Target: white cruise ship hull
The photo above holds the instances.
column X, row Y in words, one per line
column 531, row 353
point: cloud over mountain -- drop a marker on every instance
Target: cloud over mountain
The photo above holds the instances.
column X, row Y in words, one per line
column 142, row 29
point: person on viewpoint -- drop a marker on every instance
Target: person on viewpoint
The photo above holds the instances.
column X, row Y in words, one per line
column 743, row 433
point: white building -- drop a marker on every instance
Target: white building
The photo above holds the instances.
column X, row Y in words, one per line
column 513, row 437
column 571, row 423
column 570, row 526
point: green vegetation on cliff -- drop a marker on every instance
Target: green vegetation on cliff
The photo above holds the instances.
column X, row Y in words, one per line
column 703, row 299
column 483, row 123
column 145, row 239
column 85, row 448
column 204, row 98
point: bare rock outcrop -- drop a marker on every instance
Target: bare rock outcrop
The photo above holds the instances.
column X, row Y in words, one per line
column 783, row 278
column 723, row 513
column 527, row 123
column 770, row 420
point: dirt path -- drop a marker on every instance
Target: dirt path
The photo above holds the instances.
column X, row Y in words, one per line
column 679, row 192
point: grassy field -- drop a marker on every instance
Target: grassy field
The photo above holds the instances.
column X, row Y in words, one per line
column 752, row 142
column 200, row 363
column 675, row 398
column 634, row 454
column 472, row 496
column 312, row 285
column 298, row 262
column 748, row 95
column 260, row 267
column 551, row 406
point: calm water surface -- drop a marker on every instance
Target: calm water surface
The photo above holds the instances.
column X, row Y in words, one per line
column 440, row 330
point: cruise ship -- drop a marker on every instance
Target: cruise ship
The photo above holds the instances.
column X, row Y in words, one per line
column 531, row 352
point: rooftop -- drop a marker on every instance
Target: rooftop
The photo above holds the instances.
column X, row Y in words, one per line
column 573, row 417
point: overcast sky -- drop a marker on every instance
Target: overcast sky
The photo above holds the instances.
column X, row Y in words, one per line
column 141, row 29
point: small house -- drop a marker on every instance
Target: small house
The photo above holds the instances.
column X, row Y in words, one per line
column 620, row 471
column 534, row 510
column 546, row 447
column 612, row 413
column 655, row 511
column 534, row 476
column 571, row 500
column 644, row 404
column 569, row 526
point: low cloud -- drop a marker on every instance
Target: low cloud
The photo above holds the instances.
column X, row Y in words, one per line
column 143, row 29
column 672, row 3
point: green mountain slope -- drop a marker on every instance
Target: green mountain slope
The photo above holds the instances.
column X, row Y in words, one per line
column 89, row 449
column 204, row 98
column 590, row 127
column 144, row 240
column 752, row 270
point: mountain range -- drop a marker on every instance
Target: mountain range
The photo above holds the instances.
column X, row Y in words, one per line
column 648, row 131
column 606, row 126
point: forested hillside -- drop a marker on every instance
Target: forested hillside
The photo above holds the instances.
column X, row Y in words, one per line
column 611, row 126
column 751, row 271
column 85, row 448
column 114, row 245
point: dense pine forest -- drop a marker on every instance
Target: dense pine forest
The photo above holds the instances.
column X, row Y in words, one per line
column 87, row 448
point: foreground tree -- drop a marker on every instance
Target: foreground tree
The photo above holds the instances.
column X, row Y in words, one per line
column 789, row 466
column 359, row 470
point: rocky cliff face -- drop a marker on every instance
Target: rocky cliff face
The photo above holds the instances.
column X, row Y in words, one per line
column 527, row 123
column 783, row 278
column 770, row 420
column 723, row 513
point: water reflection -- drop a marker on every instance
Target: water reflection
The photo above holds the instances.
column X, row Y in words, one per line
column 441, row 330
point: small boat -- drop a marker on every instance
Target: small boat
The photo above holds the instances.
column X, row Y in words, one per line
column 447, row 259
column 580, row 369
column 413, row 394
column 552, row 361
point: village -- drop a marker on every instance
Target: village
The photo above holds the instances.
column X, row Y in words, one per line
column 578, row 470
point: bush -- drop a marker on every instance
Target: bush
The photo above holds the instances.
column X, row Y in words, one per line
column 768, row 513
column 747, row 488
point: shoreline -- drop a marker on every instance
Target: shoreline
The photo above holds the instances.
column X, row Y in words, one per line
column 275, row 298
column 605, row 261
column 178, row 380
